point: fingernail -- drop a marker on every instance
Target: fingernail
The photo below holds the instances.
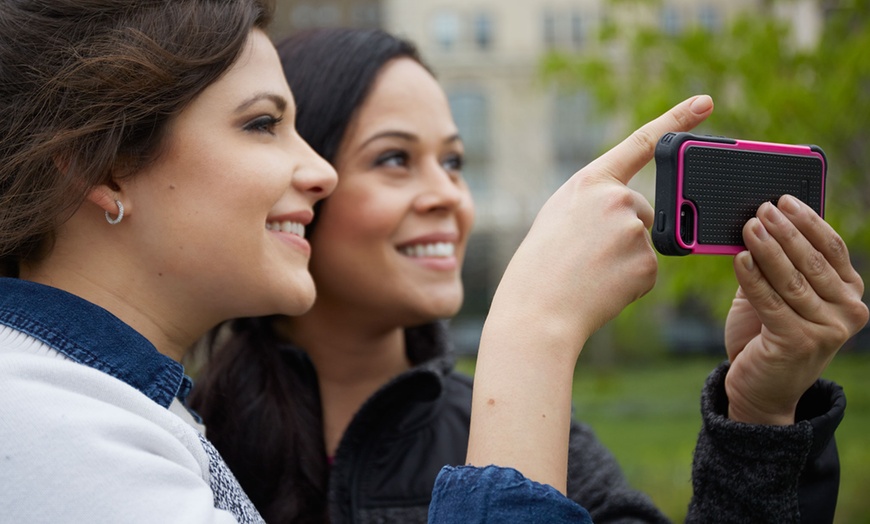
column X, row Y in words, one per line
column 759, row 230
column 701, row 104
column 772, row 213
column 746, row 259
column 789, row 204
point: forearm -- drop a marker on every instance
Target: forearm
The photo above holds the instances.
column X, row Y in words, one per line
column 746, row 472
column 521, row 407
column 586, row 257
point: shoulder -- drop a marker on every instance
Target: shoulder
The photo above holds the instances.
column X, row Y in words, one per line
column 59, row 416
column 51, row 398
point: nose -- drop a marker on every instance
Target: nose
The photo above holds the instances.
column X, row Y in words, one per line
column 441, row 189
column 314, row 176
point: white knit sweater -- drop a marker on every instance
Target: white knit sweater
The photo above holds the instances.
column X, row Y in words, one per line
column 77, row 445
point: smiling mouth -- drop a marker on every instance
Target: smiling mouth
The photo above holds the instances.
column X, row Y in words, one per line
column 434, row 250
column 286, row 226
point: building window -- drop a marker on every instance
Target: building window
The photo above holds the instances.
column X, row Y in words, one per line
column 471, row 114
column 302, row 16
column 578, row 30
column 328, row 15
column 708, row 18
column 307, row 15
column 367, row 15
column 549, row 27
column 578, row 136
column 671, row 23
column 483, row 31
column 446, row 28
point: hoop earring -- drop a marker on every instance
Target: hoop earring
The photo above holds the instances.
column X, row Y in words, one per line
column 120, row 216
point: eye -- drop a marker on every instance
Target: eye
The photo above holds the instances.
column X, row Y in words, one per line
column 393, row 158
column 263, row 124
column 453, row 162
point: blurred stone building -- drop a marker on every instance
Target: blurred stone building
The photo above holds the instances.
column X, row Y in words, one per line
column 293, row 15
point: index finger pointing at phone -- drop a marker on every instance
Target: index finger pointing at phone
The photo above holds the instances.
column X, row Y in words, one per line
column 625, row 159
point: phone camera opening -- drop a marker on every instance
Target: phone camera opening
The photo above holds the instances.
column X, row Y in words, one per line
column 687, row 224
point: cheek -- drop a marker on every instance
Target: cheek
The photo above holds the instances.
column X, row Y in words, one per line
column 241, row 195
column 360, row 216
column 340, row 236
column 350, row 238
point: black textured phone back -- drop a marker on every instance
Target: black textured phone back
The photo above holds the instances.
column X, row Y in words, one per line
column 721, row 181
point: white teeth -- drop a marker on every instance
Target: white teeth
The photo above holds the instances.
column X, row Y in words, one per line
column 438, row 249
column 295, row 228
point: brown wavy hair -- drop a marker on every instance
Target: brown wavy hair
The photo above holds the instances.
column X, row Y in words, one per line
column 86, row 87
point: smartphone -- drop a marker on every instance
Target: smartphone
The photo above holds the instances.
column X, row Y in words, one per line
column 708, row 187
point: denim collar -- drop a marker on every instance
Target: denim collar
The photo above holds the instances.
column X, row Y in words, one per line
column 90, row 335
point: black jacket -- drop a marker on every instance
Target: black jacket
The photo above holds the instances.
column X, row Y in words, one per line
column 387, row 461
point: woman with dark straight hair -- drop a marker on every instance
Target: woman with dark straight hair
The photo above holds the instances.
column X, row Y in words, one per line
column 262, row 396
column 348, row 412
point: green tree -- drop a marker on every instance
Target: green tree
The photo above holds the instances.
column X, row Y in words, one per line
column 766, row 87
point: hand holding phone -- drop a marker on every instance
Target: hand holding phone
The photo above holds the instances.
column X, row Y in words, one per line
column 708, row 187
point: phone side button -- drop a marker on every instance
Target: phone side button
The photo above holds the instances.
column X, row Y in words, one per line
column 660, row 222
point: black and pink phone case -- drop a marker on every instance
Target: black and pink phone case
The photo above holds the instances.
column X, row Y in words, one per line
column 708, row 187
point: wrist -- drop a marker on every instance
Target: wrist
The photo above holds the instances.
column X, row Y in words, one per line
column 758, row 408
column 751, row 415
column 521, row 405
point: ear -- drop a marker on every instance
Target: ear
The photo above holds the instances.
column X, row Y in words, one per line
column 104, row 197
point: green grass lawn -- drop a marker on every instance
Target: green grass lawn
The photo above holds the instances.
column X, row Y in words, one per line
column 649, row 418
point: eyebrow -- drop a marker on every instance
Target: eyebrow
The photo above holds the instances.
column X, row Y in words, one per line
column 279, row 101
column 403, row 135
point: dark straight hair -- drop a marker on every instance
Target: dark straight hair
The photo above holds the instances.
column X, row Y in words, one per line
column 261, row 404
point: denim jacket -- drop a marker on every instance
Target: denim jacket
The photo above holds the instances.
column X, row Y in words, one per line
column 165, row 447
column 88, row 334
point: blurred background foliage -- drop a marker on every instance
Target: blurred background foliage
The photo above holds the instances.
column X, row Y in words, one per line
column 649, row 417
column 766, row 86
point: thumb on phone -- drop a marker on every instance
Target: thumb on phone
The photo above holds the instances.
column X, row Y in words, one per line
column 628, row 157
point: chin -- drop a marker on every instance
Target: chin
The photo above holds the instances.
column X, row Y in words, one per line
column 296, row 300
column 445, row 307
